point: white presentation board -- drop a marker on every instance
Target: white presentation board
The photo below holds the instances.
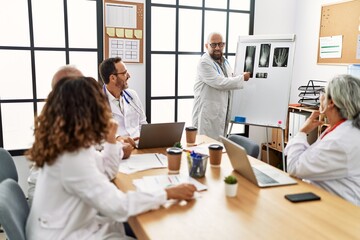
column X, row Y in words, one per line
column 265, row 97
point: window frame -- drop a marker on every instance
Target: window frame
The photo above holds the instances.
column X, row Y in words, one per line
column 35, row 100
column 177, row 53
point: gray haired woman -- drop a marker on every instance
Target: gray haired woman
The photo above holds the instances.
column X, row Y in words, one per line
column 332, row 162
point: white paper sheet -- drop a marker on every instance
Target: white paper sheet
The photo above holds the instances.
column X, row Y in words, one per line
column 203, row 148
column 158, row 182
column 141, row 162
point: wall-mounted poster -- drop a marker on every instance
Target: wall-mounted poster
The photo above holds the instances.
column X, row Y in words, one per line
column 280, row 57
column 249, row 60
column 123, row 30
column 264, row 55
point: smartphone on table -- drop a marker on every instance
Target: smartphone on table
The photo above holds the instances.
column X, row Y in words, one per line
column 302, row 197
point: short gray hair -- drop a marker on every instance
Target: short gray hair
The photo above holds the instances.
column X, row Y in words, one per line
column 344, row 90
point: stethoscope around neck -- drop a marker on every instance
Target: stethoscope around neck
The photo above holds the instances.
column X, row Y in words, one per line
column 129, row 100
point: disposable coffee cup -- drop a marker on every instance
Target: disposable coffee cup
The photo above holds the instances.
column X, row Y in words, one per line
column 191, row 135
column 174, row 159
column 215, row 153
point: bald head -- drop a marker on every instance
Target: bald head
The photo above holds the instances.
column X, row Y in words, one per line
column 215, row 46
column 216, row 35
column 65, row 71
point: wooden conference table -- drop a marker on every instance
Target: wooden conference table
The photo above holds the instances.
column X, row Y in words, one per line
column 254, row 214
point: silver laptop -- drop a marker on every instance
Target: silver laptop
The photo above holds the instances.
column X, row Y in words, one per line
column 262, row 175
column 155, row 135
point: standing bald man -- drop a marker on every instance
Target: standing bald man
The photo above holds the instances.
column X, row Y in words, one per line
column 212, row 90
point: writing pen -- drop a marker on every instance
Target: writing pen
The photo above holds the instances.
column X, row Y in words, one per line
column 158, row 159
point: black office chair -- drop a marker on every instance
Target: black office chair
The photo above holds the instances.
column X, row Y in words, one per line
column 8, row 168
column 251, row 147
column 14, row 209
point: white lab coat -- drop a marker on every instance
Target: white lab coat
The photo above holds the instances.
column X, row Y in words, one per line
column 333, row 162
column 133, row 117
column 211, row 112
column 74, row 199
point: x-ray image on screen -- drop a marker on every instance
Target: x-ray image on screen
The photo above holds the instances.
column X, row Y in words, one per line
column 280, row 57
column 249, row 60
column 264, row 55
column 261, row 75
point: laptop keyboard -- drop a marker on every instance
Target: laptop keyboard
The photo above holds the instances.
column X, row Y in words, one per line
column 263, row 178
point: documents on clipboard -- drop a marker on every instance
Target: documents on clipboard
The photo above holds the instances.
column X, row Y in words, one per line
column 141, row 162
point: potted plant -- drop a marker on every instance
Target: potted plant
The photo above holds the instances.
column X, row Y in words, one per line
column 178, row 145
column 231, row 186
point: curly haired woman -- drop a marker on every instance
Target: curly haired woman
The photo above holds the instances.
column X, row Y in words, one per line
column 74, row 197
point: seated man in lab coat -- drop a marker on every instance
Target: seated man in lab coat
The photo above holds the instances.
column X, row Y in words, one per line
column 125, row 104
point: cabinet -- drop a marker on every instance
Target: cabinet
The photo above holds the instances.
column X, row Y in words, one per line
column 296, row 118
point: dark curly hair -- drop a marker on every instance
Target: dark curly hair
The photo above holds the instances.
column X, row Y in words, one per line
column 76, row 115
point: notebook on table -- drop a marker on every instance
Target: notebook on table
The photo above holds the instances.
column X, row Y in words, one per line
column 262, row 175
column 155, row 135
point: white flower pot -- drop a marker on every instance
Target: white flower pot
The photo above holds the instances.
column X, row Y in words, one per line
column 231, row 189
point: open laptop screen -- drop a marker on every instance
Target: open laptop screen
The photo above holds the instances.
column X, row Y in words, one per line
column 155, row 135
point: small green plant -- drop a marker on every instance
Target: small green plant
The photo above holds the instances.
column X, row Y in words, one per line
column 230, row 179
column 178, row 145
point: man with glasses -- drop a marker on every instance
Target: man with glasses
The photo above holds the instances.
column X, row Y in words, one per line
column 125, row 104
column 212, row 90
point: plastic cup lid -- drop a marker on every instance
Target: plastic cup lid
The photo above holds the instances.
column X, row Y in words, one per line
column 174, row 150
column 216, row 147
column 191, row 128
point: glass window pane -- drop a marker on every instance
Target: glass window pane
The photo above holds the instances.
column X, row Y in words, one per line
column 231, row 60
column 40, row 106
column 82, row 30
column 16, row 80
column 216, row 3
column 162, row 75
column 86, row 62
column 47, row 63
column 190, row 30
column 14, row 23
column 185, row 111
column 172, row 2
column 48, row 21
column 162, row 29
column 162, row 111
column 215, row 22
column 194, row 3
column 17, row 131
column 187, row 73
column 238, row 25
column 240, row 5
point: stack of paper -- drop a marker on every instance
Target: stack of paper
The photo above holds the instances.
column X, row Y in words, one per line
column 141, row 162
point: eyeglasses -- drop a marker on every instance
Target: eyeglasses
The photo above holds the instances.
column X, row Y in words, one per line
column 220, row 44
column 123, row 73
